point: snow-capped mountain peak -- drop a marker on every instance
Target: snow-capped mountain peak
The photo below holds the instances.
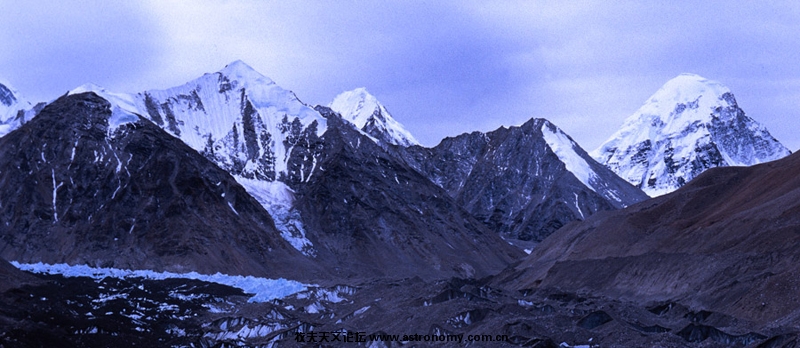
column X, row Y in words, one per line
column 120, row 100
column 363, row 110
column 687, row 91
column 240, row 71
column 7, row 95
column 14, row 109
column 689, row 125
column 245, row 123
column 252, row 128
column 237, row 116
column 686, row 88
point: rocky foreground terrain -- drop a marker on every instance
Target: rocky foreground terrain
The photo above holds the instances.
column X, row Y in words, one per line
column 80, row 312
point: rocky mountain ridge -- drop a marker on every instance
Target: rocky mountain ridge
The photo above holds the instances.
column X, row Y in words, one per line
column 89, row 183
column 524, row 182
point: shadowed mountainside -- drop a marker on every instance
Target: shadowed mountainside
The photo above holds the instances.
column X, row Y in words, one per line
column 87, row 183
column 728, row 242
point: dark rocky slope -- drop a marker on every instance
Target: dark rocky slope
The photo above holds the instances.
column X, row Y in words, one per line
column 372, row 215
column 512, row 180
column 727, row 242
column 79, row 185
column 11, row 277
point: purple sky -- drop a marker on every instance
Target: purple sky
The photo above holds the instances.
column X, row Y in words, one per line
column 442, row 68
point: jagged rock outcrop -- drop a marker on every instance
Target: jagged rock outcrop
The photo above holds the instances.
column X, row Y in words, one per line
column 524, row 182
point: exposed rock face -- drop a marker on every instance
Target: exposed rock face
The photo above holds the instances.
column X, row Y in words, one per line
column 87, row 183
column 726, row 242
column 373, row 214
column 524, row 182
column 690, row 125
column 238, row 118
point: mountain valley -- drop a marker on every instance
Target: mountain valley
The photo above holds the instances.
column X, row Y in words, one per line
column 142, row 218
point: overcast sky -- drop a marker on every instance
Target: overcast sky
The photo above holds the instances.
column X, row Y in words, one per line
column 441, row 67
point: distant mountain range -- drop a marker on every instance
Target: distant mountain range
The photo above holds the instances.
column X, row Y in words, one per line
column 226, row 174
column 523, row 183
column 231, row 173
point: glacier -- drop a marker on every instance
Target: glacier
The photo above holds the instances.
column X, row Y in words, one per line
column 262, row 289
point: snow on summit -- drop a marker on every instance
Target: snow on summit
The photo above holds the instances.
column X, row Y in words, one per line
column 246, row 124
column 14, row 109
column 240, row 118
column 363, row 110
column 689, row 125
column 250, row 127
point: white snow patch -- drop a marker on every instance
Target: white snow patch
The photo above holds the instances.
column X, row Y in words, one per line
column 259, row 330
column 118, row 118
column 55, row 194
column 563, row 147
column 361, row 311
column 232, row 208
column 262, row 289
column 577, row 205
column 314, row 308
column 72, row 156
column 122, row 100
column 566, row 345
column 278, row 199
